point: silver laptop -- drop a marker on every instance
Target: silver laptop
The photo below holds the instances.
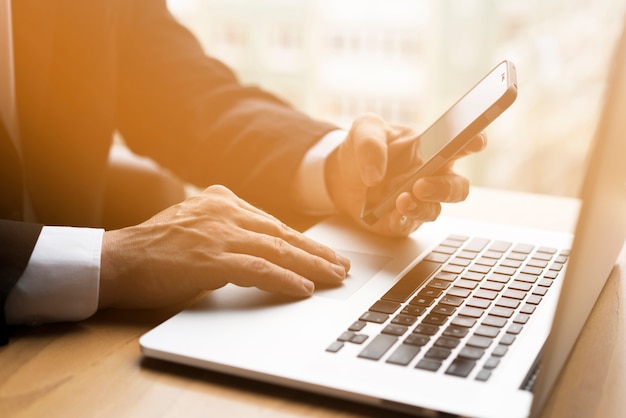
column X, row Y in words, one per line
column 455, row 320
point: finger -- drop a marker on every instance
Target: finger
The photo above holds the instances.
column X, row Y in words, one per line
column 274, row 229
column 418, row 210
column 285, row 255
column 449, row 188
column 477, row 144
column 368, row 137
column 265, row 275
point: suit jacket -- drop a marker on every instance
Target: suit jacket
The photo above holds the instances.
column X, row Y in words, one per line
column 85, row 69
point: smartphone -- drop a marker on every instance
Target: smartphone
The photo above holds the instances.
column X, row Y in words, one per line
column 438, row 144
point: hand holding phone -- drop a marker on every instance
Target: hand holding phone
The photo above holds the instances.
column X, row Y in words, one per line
column 445, row 138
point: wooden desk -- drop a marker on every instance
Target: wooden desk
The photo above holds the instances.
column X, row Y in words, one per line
column 94, row 368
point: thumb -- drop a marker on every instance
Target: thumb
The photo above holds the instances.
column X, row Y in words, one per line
column 369, row 143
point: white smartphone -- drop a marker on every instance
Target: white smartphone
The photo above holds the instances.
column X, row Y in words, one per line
column 438, row 144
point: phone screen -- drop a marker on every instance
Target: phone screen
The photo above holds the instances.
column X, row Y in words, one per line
column 453, row 130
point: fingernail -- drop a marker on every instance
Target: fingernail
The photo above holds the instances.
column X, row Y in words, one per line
column 340, row 271
column 308, row 286
column 345, row 262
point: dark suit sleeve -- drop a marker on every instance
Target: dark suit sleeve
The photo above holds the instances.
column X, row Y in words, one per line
column 17, row 240
column 190, row 113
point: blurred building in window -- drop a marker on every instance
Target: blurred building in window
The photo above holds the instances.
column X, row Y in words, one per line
column 408, row 60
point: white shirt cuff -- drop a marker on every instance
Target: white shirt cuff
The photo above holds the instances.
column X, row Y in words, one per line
column 61, row 280
column 309, row 187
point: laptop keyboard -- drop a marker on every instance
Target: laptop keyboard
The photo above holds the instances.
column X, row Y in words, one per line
column 458, row 310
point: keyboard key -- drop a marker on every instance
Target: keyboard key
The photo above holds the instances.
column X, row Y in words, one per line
column 404, row 320
column 452, row 300
column 534, row 299
column 511, row 263
column 357, row 326
column 500, row 246
column 421, row 301
column 507, row 339
column 463, row 321
column 426, row 329
column 465, row 284
column 458, row 261
column 534, row 262
column 523, row 248
column 448, row 277
column 417, row 339
column 499, row 278
column 508, row 303
column 430, row 292
column 507, row 271
column 494, row 321
column 487, row 331
column 455, row 331
column 540, row 291
column 476, row 245
column 514, row 294
column 493, row 286
column 359, row 339
column 471, row 353
column 438, row 353
column 411, row 281
column 393, row 329
column 515, row 329
column 428, row 364
column 532, row 270
column 471, row 312
column 491, row 363
column 378, row 347
column 435, row 319
column 447, row 342
column 528, row 309
column 346, row 336
column 460, row 367
column 375, row 317
column 439, row 284
column 480, row 269
column 443, row 309
column 334, row 347
column 486, row 294
column 457, row 291
column 474, row 276
column 521, row 318
column 439, row 258
column 479, row 342
column 526, row 278
column 413, row 310
column 483, row 375
column 547, row 250
column 501, row 312
column 499, row 351
column 478, row 303
column 444, row 249
column 520, row 286
column 385, row 306
column 403, row 354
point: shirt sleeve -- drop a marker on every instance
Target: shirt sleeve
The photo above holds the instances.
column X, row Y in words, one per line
column 309, row 188
column 61, row 280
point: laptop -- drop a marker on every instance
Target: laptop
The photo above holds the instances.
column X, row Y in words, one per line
column 461, row 318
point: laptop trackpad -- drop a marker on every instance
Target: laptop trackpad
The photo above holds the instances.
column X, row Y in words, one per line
column 363, row 268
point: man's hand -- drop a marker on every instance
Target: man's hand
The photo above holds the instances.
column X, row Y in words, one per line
column 363, row 160
column 204, row 243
